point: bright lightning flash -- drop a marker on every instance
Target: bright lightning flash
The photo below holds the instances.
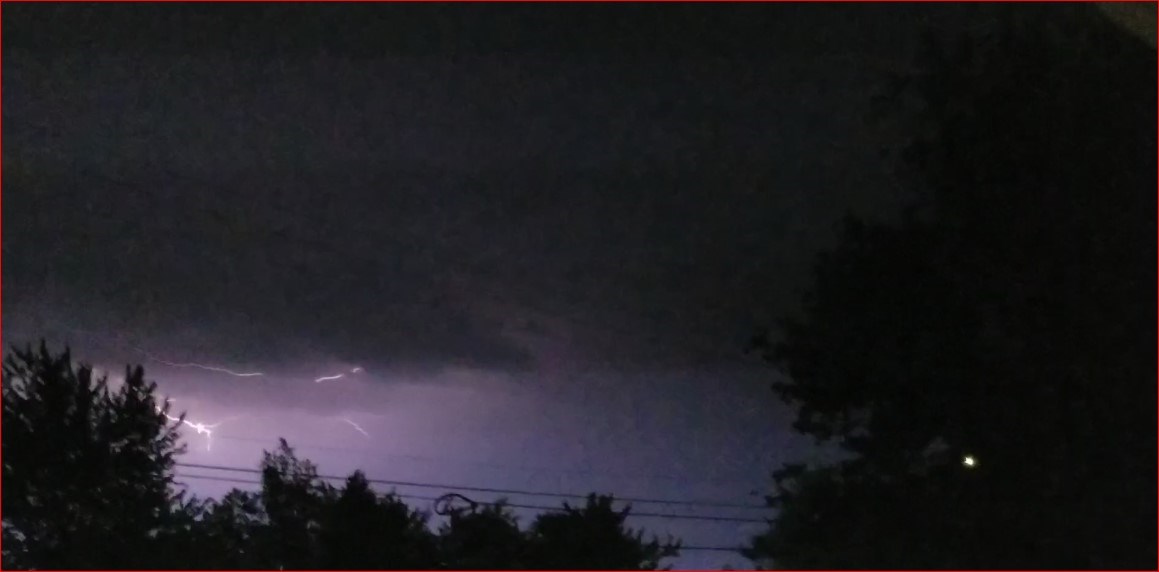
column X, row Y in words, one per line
column 338, row 375
column 201, row 428
column 356, row 427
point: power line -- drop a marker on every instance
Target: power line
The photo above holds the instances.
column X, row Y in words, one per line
column 524, row 493
column 509, row 466
column 510, row 505
column 257, row 482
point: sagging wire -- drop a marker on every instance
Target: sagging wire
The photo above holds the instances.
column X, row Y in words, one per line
column 442, row 505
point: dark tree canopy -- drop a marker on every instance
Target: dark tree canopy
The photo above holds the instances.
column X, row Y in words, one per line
column 1005, row 319
column 365, row 530
column 294, row 499
column 87, row 469
column 594, row 537
column 485, row 539
column 231, row 533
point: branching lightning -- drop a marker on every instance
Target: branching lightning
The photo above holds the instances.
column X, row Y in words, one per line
column 201, row 428
column 154, row 358
column 199, row 366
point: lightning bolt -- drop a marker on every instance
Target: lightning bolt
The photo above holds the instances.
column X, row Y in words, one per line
column 356, row 427
column 201, row 428
column 152, row 357
column 338, row 375
column 199, row 366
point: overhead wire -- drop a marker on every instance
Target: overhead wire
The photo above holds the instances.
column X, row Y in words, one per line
column 644, row 477
column 481, row 503
column 523, row 492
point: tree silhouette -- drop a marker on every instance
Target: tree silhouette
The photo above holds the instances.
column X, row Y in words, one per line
column 356, row 528
column 295, row 502
column 87, row 469
column 231, row 534
column 1003, row 320
column 364, row 530
column 593, row 537
column 484, row 539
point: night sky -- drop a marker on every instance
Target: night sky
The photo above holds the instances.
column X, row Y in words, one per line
column 534, row 239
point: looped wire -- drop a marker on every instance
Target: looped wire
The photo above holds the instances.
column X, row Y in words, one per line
column 443, row 504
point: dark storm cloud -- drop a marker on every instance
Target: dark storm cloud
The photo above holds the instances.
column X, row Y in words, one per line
column 372, row 31
column 163, row 268
column 372, row 209
column 432, row 205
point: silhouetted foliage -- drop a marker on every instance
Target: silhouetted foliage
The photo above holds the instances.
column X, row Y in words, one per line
column 593, row 537
column 1005, row 318
column 484, row 539
column 232, row 533
column 364, row 530
column 88, row 483
column 87, row 469
column 295, row 502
